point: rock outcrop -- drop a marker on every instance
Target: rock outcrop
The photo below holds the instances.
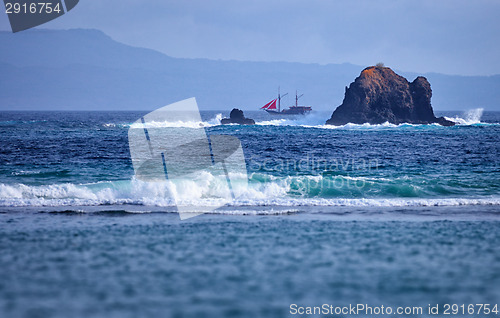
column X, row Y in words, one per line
column 237, row 117
column 379, row 95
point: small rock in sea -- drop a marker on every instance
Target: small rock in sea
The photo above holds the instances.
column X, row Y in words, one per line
column 237, row 117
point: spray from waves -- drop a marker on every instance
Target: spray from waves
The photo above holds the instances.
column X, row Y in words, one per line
column 319, row 123
column 310, row 120
column 317, row 120
column 181, row 124
column 314, row 122
column 170, row 124
column 470, row 117
column 261, row 192
column 367, row 126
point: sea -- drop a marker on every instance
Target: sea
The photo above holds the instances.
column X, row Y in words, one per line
column 394, row 216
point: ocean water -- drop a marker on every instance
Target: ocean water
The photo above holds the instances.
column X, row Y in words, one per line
column 389, row 215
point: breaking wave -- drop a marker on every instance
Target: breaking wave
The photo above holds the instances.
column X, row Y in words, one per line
column 263, row 190
column 216, row 121
column 309, row 120
column 313, row 120
column 470, row 117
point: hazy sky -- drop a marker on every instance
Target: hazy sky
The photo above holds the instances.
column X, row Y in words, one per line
column 453, row 37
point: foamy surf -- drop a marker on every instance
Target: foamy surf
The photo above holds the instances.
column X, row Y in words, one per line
column 136, row 193
column 215, row 121
column 365, row 203
column 317, row 120
column 470, row 117
column 313, row 120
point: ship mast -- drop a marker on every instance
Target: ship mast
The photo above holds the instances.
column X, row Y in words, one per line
column 297, row 98
column 279, row 100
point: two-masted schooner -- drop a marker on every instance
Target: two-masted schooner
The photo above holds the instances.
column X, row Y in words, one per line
column 274, row 106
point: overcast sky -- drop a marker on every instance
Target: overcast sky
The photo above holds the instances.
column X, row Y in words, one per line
column 450, row 36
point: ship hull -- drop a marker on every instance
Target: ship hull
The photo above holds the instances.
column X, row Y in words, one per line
column 289, row 111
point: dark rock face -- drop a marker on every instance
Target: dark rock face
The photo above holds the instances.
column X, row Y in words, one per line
column 379, row 95
column 237, row 117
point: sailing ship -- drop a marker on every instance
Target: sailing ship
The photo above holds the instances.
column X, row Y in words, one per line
column 292, row 110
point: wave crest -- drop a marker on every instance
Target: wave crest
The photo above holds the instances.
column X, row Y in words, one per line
column 470, row 117
column 170, row 124
column 261, row 191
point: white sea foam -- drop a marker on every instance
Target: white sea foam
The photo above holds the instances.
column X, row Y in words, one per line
column 309, row 120
column 166, row 194
column 312, row 120
column 215, row 121
column 367, row 126
column 180, row 124
column 318, row 121
column 470, row 117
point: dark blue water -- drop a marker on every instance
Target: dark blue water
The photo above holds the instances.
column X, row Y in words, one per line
column 68, row 159
column 383, row 215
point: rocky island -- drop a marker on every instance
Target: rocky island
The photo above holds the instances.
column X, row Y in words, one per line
column 237, row 117
column 380, row 95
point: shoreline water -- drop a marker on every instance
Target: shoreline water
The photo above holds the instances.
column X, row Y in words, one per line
column 306, row 212
column 120, row 264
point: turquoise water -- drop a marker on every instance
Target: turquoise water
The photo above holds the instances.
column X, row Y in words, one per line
column 383, row 215
column 82, row 159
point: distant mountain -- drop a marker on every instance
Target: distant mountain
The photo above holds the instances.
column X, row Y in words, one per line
column 87, row 70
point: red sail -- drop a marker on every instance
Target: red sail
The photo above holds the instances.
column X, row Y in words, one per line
column 270, row 105
column 273, row 105
column 266, row 105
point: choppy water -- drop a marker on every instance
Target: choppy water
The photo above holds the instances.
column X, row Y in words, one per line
column 82, row 159
column 384, row 215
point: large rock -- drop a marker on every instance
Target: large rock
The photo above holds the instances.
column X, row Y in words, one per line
column 237, row 117
column 379, row 95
